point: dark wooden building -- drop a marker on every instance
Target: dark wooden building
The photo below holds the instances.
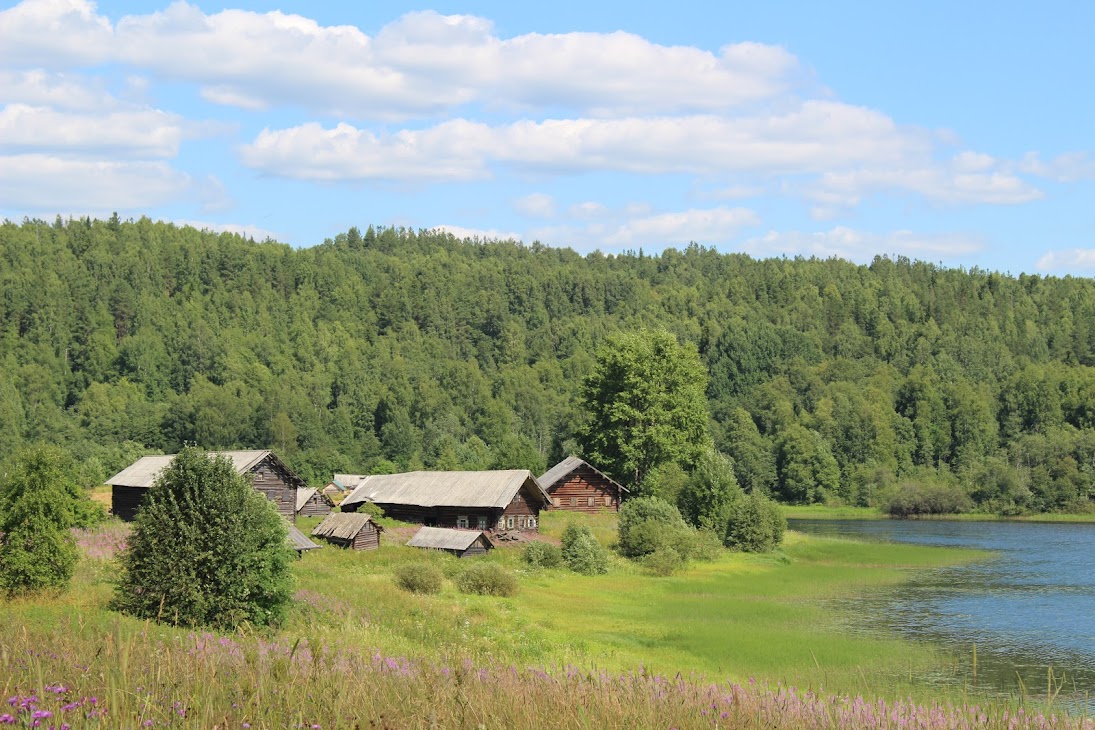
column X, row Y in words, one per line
column 492, row 501
column 313, row 503
column 461, row 543
column 268, row 474
column 576, row 486
column 350, row 530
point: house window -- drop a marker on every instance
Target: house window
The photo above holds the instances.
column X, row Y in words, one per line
column 556, row 501
column 531, row 522
column 481, row 522
column 462, row 521
column 501, row 523
column 509, row 522
column 573, row 501
column 608, row 500
column 590, row 501
column 521, row 522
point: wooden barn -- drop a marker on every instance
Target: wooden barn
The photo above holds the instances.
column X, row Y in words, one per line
column 313, row 503
column 493, row 501
column 269, row 476
column 350, row 530
column 575, row 486
column 461, row 543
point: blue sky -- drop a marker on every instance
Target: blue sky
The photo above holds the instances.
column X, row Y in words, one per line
column 957, row 133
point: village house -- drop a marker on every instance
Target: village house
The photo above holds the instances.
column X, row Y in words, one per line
column 313, row 503
column 493, row 501
column 575, row 486
column 342, row 484
column 354, row 530
column 269, row 476
column 461, row 543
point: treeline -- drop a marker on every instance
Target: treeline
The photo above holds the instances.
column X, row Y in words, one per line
column 396, row 349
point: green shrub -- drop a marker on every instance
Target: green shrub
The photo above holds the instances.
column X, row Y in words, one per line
column 542, row 555
column 39, row 503
column 581, row 551
column 910, row 499
column 756, row 525
column 649, row 523
column 710, row 492
column 206, row 550
column 418, row 577
column 706, row 545
column 487, row 579
column 664, row 561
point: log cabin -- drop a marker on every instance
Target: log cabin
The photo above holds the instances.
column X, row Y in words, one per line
column 350, row 530
column 313, row 503
column 268, row 473
column 491, row 501
column 576, row 486
column 461, row 543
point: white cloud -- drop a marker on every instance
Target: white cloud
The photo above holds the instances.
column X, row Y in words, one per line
column 588, row 209
column 536, row 205
column 862, row 246
column 483, row 234
column 140, row 133
column 58, row 91
column 1066, row 168
column 256, row 232
column 1068, row 261
column 50, row 183
column 709, row 226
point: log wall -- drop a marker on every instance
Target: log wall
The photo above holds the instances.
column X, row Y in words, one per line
column 584, row 490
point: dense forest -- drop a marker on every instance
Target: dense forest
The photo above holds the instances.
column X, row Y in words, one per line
column 397, row 349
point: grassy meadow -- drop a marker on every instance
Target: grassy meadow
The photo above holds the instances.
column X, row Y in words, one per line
column 720, row 645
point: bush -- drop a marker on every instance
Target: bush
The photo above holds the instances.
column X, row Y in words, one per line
column 206, row 550
column 910, row 499
column 710, row 491
column 581, row 551
column 756, row 525
column 542, row 555
column 418, row 577
column 487, row 579
column 664, row 561
column 649, row 523
column 706, row 546
column 39, row 503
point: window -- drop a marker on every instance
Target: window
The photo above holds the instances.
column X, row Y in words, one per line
column 531, row 522
column 556, row 501
column 481, row 522
column 573, row 501
column 521, row 522
column 462, row 521
column 590, row 501
column 509, row 522
column 608, row 500
column 501, row 523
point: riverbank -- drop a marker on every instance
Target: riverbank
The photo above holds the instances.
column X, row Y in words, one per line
column 824, row 512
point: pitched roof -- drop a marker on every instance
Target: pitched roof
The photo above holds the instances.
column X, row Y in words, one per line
column 347, row 481
column 144, row 471
column 299, row 540
column 446, row 488
column 306, row 493
column 343, row 525
column 444, row 539
column 568, row 465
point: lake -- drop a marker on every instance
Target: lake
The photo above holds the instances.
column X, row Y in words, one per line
column 1029, row 610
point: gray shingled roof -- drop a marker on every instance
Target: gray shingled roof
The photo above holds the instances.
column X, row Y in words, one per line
column 565, row 467
column 144, row 471
column 306, row 493
column 445, row 488
column 342, row 525
column 441, row 538
column 299, row 540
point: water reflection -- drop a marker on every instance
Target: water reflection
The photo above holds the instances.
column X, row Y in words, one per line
column 1030, row 608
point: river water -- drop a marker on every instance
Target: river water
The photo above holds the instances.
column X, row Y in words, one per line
column 1030, row 609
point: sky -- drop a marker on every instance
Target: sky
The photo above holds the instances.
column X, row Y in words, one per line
column 956, row 133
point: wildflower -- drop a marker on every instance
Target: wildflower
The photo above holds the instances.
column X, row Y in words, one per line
column 7, row 719
column 41, row 714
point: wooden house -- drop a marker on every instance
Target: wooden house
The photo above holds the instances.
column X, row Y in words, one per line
column 493, row 501
column 268, row 474
column 576, row 486
column 342, row 484
column 461, row 543
column 313, row 503
column 350, row 530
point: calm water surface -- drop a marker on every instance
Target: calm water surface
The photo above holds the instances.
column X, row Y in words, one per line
column 1028, row 609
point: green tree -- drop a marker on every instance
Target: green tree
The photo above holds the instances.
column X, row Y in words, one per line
column 710, row 492
column 38, row 506
column 647, row 524
column 808, row 473
column 206, row 550
column 755, row 524
column 581, row 551
column 646, row 402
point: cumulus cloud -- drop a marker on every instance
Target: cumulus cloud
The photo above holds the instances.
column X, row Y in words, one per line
column 1065, row 168
column 51, row 183
column 709, row 226
column 536, row 205
column 140, row 133
column 1075, row 260
column 862, row 246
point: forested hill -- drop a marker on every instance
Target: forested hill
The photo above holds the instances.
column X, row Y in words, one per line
column 401, row 349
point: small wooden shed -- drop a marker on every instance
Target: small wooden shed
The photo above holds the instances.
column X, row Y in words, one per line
column 461, row 543
column 300, row 541
column 354, row 530
column 313, row 503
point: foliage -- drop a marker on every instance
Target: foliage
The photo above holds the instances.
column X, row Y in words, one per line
column 664, row 561
column 646, row 405
column 487, row 579
column 581, row 551
column 710, row 491
column 755, row 524
column 647, row 523
column 419, row 577
column 542, row 555
column 206, row 549
column 926, row 498
column 39, row 504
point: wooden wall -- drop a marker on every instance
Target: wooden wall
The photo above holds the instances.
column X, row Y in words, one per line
column 580, row 487
column 317, row 506
column 270, row 479
column 368, row 538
